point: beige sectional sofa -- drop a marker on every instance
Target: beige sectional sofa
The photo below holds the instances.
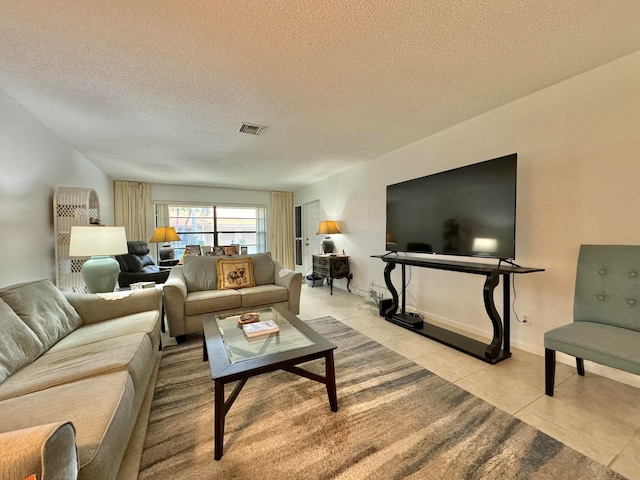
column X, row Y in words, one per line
column 192, row 290
column 77, row 371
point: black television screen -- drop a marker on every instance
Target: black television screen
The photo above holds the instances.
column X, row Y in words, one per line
column 468, row 211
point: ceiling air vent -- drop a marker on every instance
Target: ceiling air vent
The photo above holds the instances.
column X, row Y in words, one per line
column 252, row 129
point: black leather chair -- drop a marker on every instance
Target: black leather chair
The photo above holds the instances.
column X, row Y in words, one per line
column 138, row 265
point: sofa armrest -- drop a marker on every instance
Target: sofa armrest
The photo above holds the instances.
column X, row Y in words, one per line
column 175, row 294
column 48, row 451
column 292, row 281
column 97, row 307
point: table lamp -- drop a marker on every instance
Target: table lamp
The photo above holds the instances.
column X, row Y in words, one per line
column 165, row 235
column 327, row 227
column 100, row 272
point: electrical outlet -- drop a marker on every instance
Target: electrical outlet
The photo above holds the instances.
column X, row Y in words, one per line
column 526, row 319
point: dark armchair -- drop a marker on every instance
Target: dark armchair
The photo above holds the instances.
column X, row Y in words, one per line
column 138, row 265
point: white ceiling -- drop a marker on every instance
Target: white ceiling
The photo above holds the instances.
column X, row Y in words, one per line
column 156, row 90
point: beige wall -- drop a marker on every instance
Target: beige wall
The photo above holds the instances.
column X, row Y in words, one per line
column 578, row 145
column 33, row 162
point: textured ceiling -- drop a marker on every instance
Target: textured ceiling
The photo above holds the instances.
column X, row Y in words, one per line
column 157, row 90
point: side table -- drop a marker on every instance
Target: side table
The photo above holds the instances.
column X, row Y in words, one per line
column 167, row 264
column 330, row 267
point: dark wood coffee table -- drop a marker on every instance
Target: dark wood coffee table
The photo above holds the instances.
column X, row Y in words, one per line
column 232, row 357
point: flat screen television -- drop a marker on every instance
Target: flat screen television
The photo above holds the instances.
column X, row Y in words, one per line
column 467, row 211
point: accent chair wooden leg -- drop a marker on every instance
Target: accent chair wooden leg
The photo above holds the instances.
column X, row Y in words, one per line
column 549, row 370
column 580, row 366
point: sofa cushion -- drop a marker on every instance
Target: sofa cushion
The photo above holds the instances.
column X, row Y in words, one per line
column 263, row 269
column 263, row 295
column 44, row 309
column 130, row 263
column 101, row 408
column 198, row 303
column 19, row 345
column 200, row 273
column 604, row 344
column 138, row 247
column 234, row 273
column 142, row 322
column 131, row 353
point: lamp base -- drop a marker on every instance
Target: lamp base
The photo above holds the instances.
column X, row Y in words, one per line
column 100, row 274
column 166, row 252
column 327, row 245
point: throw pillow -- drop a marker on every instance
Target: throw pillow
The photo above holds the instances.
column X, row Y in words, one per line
column 200, row 273
column 44, row 309
column 263, row 268
column 234, row 273
column 19, row 345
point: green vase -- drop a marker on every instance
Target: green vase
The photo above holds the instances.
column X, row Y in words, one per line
column 100, row 274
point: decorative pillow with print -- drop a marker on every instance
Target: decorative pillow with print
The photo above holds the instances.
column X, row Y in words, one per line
column 234, row 273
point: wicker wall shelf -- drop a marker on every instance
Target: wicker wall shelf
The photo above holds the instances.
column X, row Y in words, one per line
column 71, row 206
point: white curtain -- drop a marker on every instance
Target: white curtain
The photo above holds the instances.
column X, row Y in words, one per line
column 133, row 209
column 162, row 215
column 261, row 229
column 281, row 232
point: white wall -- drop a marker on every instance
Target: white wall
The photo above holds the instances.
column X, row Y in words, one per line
column 33, row 162
column 578, row 145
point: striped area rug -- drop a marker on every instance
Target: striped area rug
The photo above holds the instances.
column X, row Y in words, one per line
column 396, row 420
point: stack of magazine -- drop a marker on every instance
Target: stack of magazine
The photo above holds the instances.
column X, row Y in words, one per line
column 256, row 329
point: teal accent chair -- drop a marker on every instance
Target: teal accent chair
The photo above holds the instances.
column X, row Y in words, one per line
column 606, row 313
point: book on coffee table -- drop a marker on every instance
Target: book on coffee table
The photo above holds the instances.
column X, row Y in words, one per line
column 139, row 285
column 260, row 328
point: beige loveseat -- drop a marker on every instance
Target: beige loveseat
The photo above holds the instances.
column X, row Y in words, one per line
column 77, row 371
column 191, row 291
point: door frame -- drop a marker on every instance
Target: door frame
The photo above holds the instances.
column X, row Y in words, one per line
column 310, row 241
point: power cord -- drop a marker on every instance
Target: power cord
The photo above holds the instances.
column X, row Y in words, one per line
column 515, row 295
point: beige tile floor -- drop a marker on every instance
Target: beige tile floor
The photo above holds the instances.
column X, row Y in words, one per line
column 594, row 415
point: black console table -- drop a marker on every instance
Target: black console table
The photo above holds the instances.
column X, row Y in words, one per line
column 499, row 348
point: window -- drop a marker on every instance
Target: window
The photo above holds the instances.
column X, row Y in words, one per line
column 215, row 225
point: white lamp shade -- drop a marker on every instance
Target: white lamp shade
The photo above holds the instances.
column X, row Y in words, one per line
column 97, row 241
